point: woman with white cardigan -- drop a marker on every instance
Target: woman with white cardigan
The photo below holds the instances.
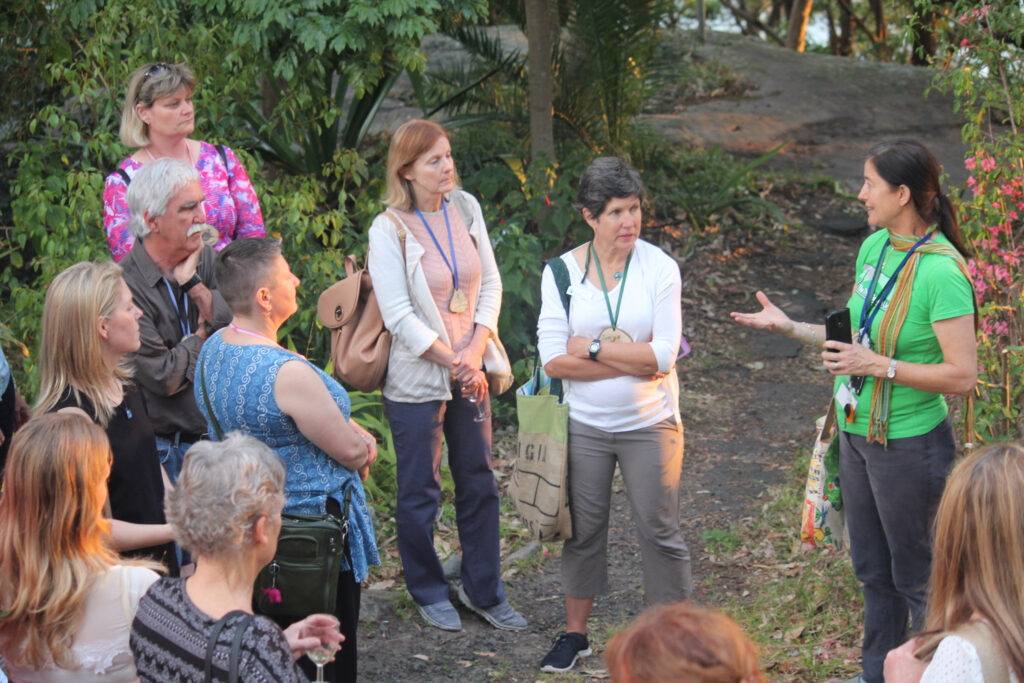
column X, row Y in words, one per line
column 439, row 291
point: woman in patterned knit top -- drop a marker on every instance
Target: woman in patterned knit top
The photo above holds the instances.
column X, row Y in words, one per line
column 157, row 119
column 226, row 510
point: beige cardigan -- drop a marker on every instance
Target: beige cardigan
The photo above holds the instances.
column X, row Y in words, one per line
column 409, row 311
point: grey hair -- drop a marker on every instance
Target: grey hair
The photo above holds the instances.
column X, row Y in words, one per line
column 607, row 178
column 151, row 189
column 224, row 487
column 145, row 89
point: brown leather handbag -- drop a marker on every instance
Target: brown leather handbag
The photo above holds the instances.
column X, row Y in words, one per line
column 360, row 344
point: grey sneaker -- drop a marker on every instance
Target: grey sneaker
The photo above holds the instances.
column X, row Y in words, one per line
column 440, row 614
column 500, row 616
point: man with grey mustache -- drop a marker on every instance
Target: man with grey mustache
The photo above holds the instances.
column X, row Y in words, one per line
column 170, row 274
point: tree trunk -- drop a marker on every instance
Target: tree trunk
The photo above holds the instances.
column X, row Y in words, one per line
column 539, row 32
column 924, row 37
column 798, row 16
column 846, row 27
column 881, row 28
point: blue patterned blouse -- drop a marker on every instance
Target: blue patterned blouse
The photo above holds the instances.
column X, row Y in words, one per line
column 240, row 385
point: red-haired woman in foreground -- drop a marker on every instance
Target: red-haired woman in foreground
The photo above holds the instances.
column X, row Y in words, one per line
column 681, row 642
column 68, row 599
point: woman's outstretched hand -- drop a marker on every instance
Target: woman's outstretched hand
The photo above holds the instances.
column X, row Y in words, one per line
column 770, row 317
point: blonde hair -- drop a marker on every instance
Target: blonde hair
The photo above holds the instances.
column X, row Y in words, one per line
column 413, row 139
column 682, row 642
column 53, row 536
column 978, row 559
column 70, row 350
column 147, row 84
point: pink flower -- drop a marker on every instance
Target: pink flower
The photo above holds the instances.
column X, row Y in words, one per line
column 1012, row 215
column 988, row 164
column 1001, row 327
column 969, row 161
column 964, row 42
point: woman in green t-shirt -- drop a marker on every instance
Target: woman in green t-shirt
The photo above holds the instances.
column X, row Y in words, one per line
column 912, row 310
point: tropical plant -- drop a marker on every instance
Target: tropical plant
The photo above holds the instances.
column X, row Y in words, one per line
column 319, row 55
column 984, row 68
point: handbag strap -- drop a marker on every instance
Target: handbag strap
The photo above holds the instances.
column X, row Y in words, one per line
column 236, row 645
column 206, row 399
column 561, row 273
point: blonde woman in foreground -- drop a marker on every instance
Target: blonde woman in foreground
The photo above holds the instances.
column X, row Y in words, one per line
column 974, row 632
column 68, row 599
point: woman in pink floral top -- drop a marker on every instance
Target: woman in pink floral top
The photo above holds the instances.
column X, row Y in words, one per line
column 158, row 117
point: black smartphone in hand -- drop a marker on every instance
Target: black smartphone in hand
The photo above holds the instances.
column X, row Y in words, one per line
column 837, row 326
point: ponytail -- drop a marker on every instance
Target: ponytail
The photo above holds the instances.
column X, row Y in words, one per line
column 945, row 216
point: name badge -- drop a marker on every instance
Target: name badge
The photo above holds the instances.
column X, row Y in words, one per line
column 847, row 400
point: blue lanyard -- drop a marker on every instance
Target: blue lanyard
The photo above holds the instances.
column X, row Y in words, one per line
column 453, row 267
column 871, row 307
column 186, row 327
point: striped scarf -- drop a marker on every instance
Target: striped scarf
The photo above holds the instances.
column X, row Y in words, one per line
column 892, row 321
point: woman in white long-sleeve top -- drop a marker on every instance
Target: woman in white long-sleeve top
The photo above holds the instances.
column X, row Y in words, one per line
column 615, row 348
column 439, row 291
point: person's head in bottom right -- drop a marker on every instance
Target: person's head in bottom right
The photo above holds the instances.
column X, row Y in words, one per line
column 682, row 642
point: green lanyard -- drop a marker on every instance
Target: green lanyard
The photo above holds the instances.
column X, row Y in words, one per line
column 614, row 319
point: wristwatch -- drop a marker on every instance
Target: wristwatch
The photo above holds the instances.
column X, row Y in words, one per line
column 192, row 282
column 594, row 348
column 891, row 372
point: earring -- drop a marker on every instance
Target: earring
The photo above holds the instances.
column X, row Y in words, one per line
column 266, row 312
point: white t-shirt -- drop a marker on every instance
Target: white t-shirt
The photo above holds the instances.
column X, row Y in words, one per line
column 101, row 642
column 650, row 312
column 955, row 661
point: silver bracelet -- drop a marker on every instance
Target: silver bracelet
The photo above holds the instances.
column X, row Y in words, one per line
column 810, row 331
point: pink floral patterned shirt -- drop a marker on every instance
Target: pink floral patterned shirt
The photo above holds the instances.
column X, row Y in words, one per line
column 231, row 204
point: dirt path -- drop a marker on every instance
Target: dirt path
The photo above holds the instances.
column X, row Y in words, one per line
column 748, row 399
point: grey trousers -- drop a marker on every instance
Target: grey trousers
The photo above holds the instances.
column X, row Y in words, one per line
column 651, row 461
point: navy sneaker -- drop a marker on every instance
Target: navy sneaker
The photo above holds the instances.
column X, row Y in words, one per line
column 568, row 648
column 440, row 614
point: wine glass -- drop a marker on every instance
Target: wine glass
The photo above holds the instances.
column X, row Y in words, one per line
column 320, row 656
column 482, row 413
column 329, row 645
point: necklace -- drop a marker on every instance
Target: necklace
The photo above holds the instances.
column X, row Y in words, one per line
column 240, row 330
column 188, row 150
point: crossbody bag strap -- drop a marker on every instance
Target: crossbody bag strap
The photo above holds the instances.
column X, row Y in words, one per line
column 236, row 645
column 561, row 273
column 206, row 400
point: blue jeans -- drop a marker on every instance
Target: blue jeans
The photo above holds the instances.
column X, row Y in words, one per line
column 890, row 494
column 417, row 429
column 172, row 455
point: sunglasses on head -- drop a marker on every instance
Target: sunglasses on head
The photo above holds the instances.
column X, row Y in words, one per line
column 154, row 70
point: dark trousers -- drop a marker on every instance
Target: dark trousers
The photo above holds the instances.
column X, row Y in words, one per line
column 417, row 429
column 890, row 495
column 6, row 420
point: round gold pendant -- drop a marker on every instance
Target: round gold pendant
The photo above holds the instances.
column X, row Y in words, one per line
column 611, row 334
column 458, row 303
column 210, row 235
